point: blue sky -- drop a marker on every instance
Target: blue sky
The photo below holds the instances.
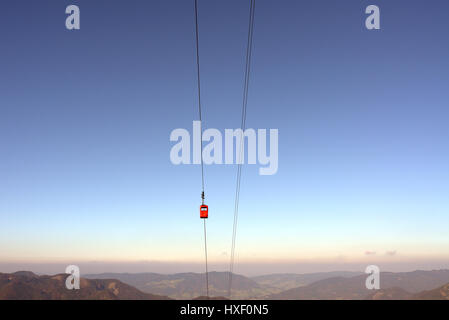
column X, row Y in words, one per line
column 85, row 120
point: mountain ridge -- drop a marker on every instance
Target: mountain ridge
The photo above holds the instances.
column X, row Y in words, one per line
column 25, row 285
column 415, row 285
column 188, row 285
column 340, row 288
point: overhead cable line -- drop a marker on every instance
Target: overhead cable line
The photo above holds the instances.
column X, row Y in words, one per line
column 203, row 206
column 249, row 49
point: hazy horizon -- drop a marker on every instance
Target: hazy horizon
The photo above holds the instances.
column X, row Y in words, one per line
column 246, row 268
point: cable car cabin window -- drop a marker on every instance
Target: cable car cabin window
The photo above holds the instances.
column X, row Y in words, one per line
column 203, row 209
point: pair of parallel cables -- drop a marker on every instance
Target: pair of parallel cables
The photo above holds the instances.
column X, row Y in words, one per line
column 249, row 48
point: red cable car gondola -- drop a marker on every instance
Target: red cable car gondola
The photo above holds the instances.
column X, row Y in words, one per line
column 204, row 211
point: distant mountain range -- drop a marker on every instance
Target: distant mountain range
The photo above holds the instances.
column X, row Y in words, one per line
column 28, row 286
column 403, row 285
column 417, row 285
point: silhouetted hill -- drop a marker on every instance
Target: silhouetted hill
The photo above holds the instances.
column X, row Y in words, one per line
column 285, row 281
column 27, row 274
column 354, row 287
column 389, row 294
column 210, row 298
column 415, row 281
column 441, row 293
column 189, row 285
column 337, row 288
column 28, row 286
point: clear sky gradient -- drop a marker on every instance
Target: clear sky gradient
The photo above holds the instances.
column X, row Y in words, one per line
column 85, row 120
